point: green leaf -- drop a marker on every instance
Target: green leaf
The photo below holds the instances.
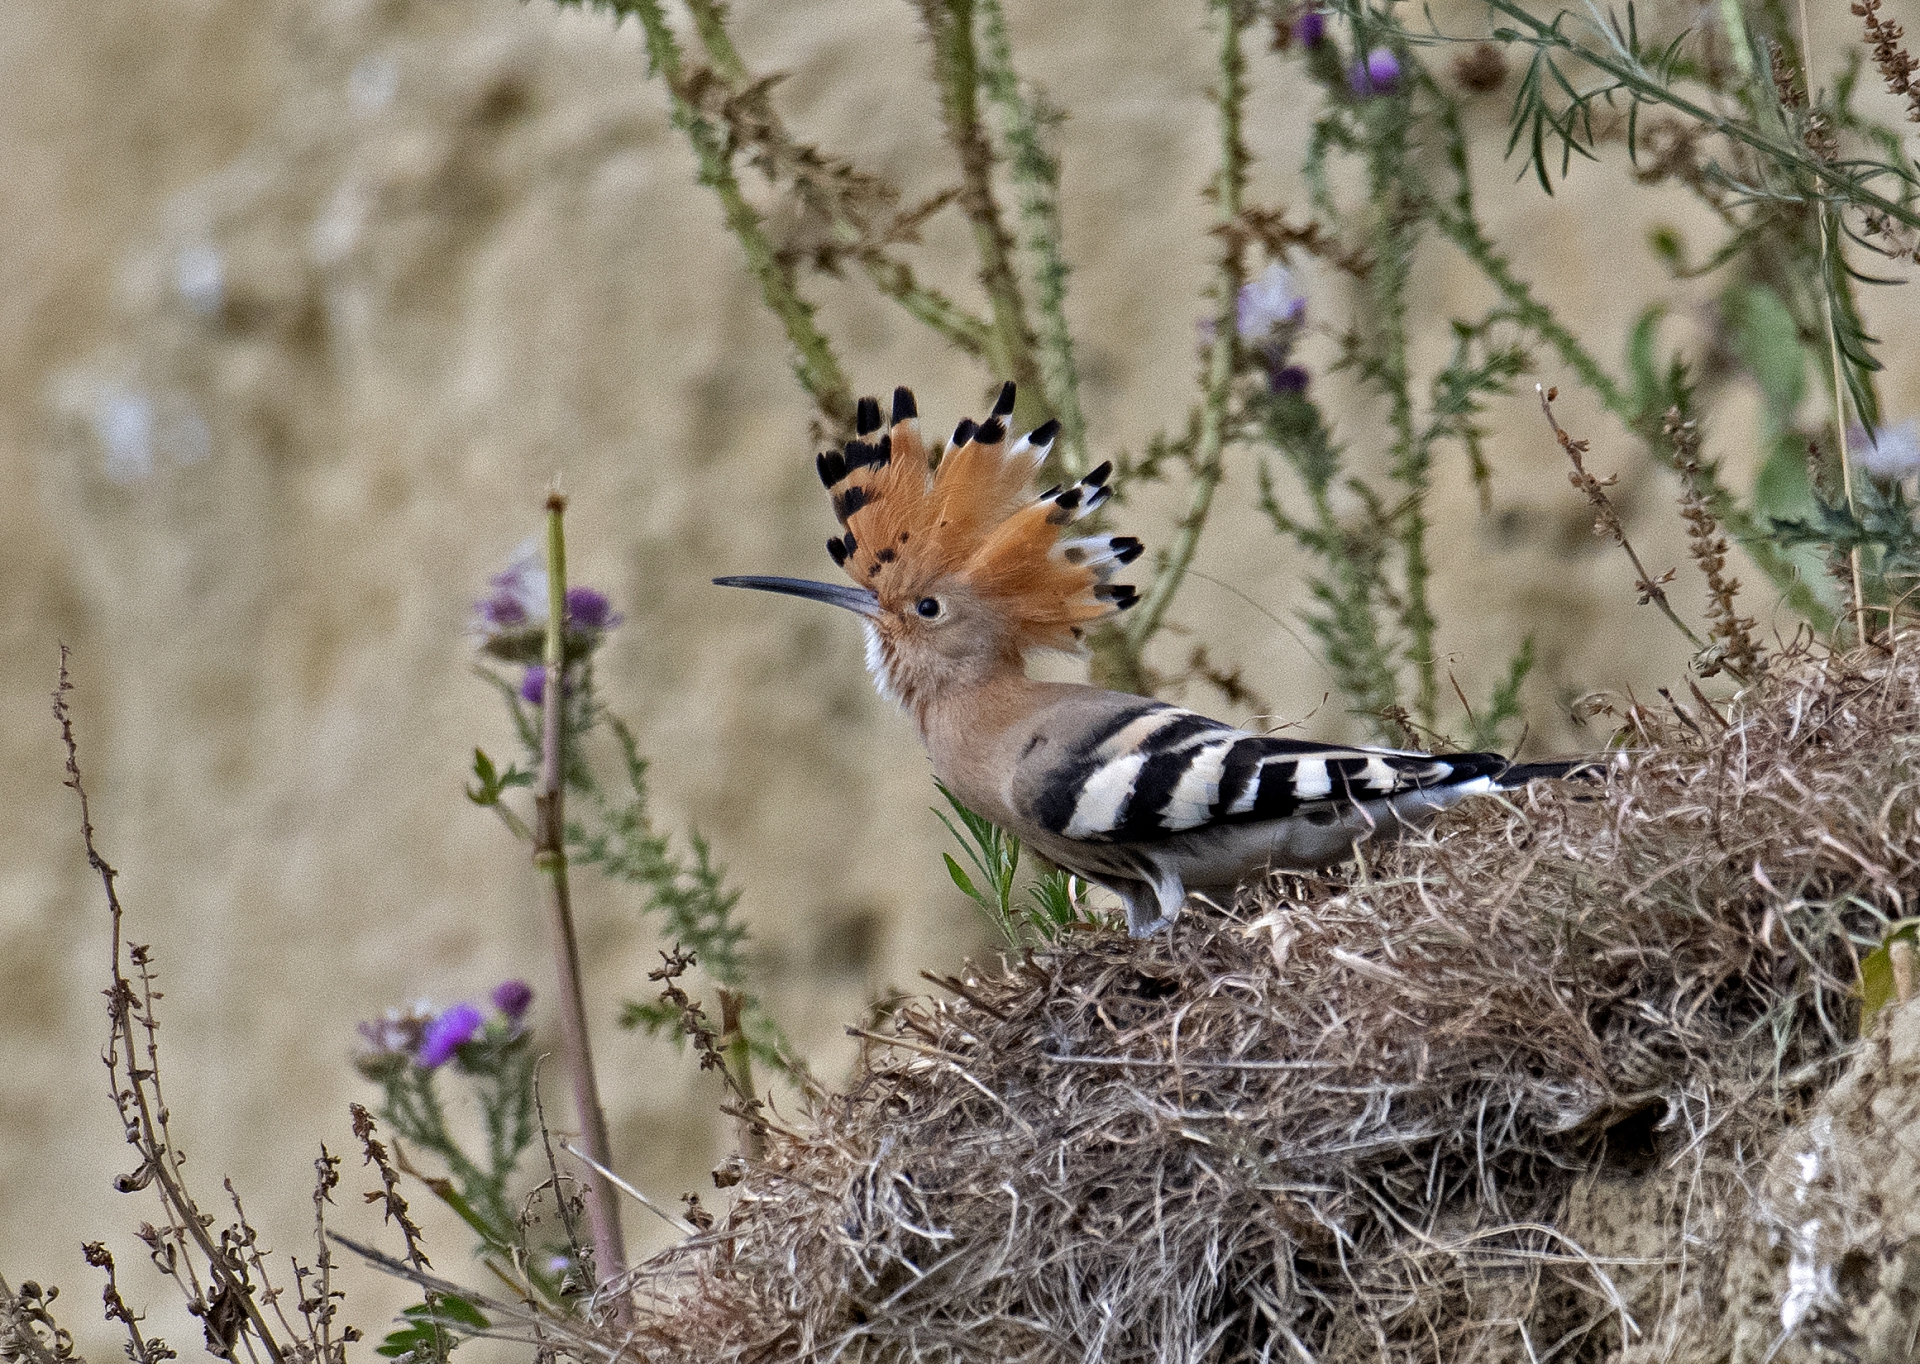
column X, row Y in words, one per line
column 463, row 1209
column 459, row 1310
column 960, row 880
column 1876, row 971
column 492, row 781
column 488, row 791
column 1667, row 244
column 1767, row 340
column 1052, row 906
column 424, row 1336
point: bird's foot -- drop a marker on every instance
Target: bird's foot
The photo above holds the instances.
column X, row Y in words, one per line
column 1137, row 929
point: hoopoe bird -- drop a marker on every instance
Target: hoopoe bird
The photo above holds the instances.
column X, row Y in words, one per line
column 959, row 572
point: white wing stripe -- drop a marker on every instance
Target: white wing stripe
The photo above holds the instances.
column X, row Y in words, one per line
column 1097, row 811
column 1198, row 788
column 1377, row 776
column 1310, row 779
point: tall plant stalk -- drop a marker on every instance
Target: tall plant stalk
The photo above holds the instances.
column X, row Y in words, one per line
column 550, row 856
column 956, row 70
column 1208, row 461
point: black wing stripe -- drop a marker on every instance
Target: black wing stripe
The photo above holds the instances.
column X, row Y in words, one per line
column 1242, row 765
column 1175, row 733
column 1055, row 804
column 1098, row 738
column 1277, row 794
column 1151, row 789
column 1344, row 778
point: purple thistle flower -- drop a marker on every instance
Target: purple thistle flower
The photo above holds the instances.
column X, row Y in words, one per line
column 1288, row 380
column 1378, row 75
column 518, row 594
column 500, row 612
column 1269, row 312
column 511, row 620
column 513, row 998
column 1310, row 29
column 589, row 609
column 533, row 684
column 451, row 1029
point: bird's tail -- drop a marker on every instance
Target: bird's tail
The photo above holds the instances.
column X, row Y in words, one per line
column 1519, row 774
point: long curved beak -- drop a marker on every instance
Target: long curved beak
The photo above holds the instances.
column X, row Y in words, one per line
column 858, row 600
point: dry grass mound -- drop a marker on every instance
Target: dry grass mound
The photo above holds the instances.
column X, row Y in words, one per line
column 1505, row 1095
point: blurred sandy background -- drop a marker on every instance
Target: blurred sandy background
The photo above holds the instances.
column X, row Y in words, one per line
column 302, row 304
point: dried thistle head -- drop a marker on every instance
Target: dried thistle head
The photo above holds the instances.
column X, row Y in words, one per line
column 1735, row 649
column 1482, row 68
column 1897, row 65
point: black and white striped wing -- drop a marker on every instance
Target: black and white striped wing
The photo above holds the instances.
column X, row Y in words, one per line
column 1160, row 770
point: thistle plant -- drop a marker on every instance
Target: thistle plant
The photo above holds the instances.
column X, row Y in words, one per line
column 612, row 830
column 411, row 1053
column 531, row 619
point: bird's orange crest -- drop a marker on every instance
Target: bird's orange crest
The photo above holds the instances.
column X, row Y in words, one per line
column 912, row 522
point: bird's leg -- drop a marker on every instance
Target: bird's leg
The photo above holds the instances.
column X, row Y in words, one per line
column 1155, row 905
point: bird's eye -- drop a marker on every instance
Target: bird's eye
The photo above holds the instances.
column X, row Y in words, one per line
column 928, row 607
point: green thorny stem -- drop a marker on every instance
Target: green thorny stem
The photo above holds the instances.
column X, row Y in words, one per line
column 1397, row 204
column 1836, row 181
column 550, row 856
column 1010, row 344
column 1459, row 223
column 893, row 278
column 1829, row 251
column 1036, row 178
column 814, row 364
column 1209, row 448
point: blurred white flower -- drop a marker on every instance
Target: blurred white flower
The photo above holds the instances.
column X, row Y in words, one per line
column 1891, row 453
column 1268, row 303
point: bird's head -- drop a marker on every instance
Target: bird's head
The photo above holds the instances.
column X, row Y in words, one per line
column 958, row 569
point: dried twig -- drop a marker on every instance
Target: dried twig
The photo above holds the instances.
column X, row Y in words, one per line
column 1739, row 652
column 141, row 1349
column 1606, row 520
column 28, row 1332
column 393, row 1204
column 143, row 1111
column 1897, row 65
column 319, row 1301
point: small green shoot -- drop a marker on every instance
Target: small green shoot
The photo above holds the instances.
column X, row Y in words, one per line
column 995, row 855
column 1054, row 901
column 491, row 782
column 425, row 1338
column 1881, row 972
